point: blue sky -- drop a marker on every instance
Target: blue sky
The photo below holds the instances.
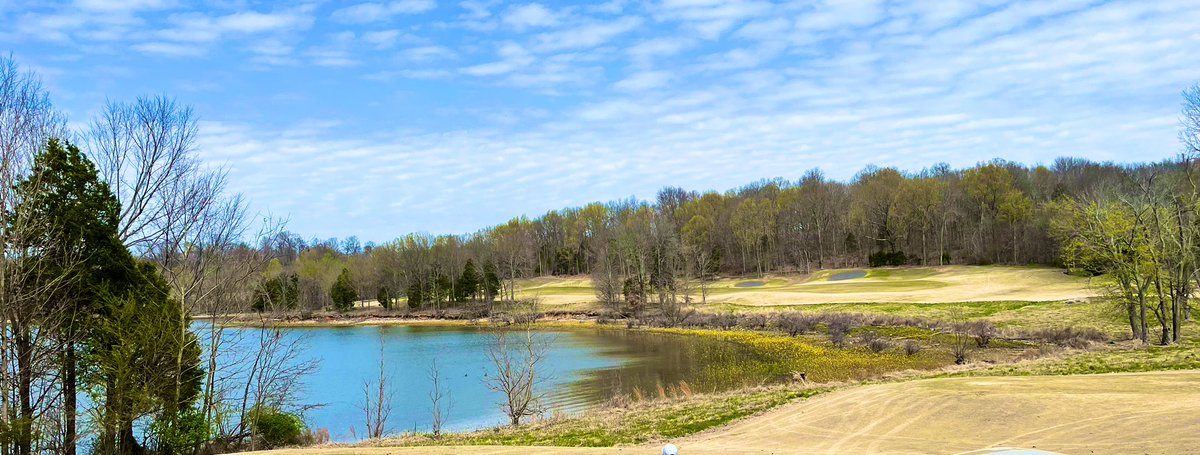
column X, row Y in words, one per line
column 381, row 118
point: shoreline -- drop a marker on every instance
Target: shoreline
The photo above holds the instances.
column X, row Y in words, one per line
column 375, row 319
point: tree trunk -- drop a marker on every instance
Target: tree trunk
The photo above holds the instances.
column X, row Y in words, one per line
column 69, row 398
column 23, row 434
column 1143, row 326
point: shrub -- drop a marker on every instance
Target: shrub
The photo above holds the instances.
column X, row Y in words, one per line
column 795, row 324
column 838, row 325
column 754, row 322
column 884, row 258
column 911, row 348
column 874, row 342
column 982, row 331
column 838, row 338
column 276, row 428
column 725, row 321
column 960, row 347
column 1067, row 336
column 878, row 345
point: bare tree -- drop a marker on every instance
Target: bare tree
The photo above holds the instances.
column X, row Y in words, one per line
column 146, row 152
column 516, row 356
column 440, row 400
column 606, row 279
column 269, row 376
column 28, row 352
column 377, row 400
column 1189, row 132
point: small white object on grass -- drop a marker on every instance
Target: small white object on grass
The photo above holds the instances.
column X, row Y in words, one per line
column 670, row 449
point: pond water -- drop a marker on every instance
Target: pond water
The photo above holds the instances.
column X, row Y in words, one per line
column 584, row 367
column 749, row 284
column 850, row 275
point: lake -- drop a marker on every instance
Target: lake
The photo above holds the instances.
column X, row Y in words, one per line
column 584, row 367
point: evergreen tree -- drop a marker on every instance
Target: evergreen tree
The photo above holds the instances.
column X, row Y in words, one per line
column 414, row 295
column 384, row 298
column 76, row 252
column 443, row 289
column 491, row 282
column 114, row 319
column 468, row 283
column 279, row 293
column 343, row 293
column 145, row 364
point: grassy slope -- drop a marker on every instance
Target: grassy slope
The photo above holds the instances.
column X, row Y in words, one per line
column 889, row 285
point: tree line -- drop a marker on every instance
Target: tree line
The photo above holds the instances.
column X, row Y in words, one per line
column 997, row 212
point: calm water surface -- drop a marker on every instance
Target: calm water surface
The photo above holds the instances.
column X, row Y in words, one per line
column 584, row 367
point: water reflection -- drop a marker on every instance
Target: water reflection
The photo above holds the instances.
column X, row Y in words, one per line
column 585, row 366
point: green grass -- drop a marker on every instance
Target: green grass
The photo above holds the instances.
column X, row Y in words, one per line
column 851, row 286
column 639, row 423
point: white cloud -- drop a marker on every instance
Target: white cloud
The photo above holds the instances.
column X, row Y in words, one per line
column 529, row 16
column 364, row 13
column 199, row 28
column 712, row 18
column 383, row 39
column 586, row 35
column 169, row 49
column 658, row 47
column 645, row 80
column 121, row 5
column 425, row 53
column 513, row 56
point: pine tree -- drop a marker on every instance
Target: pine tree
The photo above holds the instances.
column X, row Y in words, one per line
column 468, row 283
column 114, row 319
column 491, row 281
column 70, row 218
column 443, row 288
column 414, row 295
column 343, row 293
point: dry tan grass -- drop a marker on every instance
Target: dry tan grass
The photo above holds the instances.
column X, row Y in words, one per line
column 888, row 285
column 1111, row 413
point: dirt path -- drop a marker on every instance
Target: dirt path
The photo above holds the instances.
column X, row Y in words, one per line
column 1115, row 413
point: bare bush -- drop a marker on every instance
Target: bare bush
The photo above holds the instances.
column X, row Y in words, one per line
column 795, row 323
column 911, row 348
column 874, row 342
column 754, row 322
column 981, row 331
column 838, row 326
column 1067, row 336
